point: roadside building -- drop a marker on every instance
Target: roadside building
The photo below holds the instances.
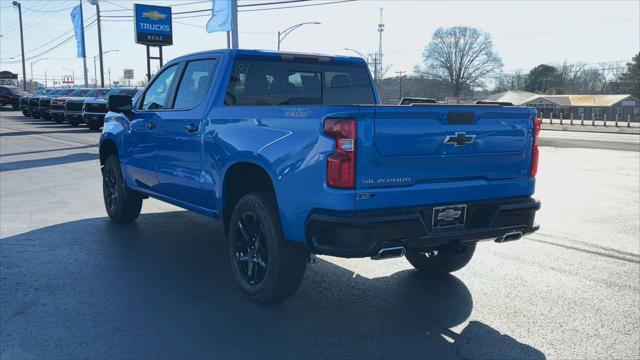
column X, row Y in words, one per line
column 516, row 97
column 591, row 107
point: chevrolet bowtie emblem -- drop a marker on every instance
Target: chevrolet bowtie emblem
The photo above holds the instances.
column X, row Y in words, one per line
column 459, row 139
column 449, row 215
column 153, row 15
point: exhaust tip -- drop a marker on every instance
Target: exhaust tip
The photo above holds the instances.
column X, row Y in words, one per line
column 510, row 236
column 389, row 253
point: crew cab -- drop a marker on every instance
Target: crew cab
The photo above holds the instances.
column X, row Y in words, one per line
column 296, row 156
column 95, row 108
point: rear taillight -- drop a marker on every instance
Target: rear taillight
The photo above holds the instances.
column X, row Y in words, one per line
column 535, row 153
column 341, row 165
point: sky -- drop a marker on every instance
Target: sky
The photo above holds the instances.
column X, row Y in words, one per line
column 525, row 33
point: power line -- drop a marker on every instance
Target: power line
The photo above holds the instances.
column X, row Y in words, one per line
column 49, row 11
column 54, row 47
column 245, row 5
column 300, row 6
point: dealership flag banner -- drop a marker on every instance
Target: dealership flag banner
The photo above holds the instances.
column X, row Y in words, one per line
column 220, row 16
column 78, row 28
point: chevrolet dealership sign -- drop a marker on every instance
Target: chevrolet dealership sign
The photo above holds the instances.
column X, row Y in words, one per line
column 153, row 25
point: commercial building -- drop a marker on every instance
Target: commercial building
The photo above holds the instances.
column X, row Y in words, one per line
column 589, row 107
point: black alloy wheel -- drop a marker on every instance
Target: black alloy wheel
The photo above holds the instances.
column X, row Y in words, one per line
column 110, row 188
column 251, row 252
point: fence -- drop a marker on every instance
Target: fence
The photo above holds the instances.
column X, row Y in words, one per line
column 618, row 121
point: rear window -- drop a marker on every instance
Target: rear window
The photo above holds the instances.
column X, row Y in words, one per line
column 275, row 82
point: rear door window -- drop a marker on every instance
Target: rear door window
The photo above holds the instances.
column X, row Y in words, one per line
column 194, row 83
column 286, row 82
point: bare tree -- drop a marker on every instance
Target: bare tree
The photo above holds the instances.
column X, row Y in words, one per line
column 461, row 56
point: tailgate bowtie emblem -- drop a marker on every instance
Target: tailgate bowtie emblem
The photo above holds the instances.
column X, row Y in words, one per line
column 449, row 215
column 459, row 139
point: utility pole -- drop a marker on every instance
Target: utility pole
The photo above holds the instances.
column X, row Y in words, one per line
column 109, row 77
column 380, row 31
column 375, row 68
column 97, row 4
column 234, row 26
column 24, row 68
column 400, row 74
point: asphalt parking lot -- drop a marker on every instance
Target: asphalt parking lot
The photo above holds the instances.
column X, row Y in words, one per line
column 74, row 285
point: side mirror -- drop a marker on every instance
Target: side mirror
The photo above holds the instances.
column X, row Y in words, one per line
column 119, row 103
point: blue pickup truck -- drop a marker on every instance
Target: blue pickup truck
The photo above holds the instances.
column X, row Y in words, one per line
column 296, row 156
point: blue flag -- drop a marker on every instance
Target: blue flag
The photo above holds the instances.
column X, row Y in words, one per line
column 220, row 16
column 78, row 28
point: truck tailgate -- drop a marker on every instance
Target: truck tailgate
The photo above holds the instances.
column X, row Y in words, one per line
column 442, row 145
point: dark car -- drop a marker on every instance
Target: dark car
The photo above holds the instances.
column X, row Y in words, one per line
column 10, row 95
column 24, row 101
column 75, row 105
column 57, row 105
column 95, row 109
column 44, row 101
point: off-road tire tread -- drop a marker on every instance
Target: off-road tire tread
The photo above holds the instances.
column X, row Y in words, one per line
column 129, row 208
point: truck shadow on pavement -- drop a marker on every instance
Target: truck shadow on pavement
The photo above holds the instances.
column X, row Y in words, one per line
column 58, row 160
column 162, row 288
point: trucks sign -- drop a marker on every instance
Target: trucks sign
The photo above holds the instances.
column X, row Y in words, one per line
column 153, row 25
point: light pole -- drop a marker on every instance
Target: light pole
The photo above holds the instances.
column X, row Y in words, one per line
column 100, row 53
column 284, row 33
column 24, row 68
column 35, row 62
column 45, row 78
column 95, row 71
column 366, row 59
column 73, row 76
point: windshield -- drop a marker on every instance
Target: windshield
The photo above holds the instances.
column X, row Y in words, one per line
column 122, row 91
column 16, row 91
column 96, row 92
column 79, row 92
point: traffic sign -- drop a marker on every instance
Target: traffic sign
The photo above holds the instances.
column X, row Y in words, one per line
column 128, row 74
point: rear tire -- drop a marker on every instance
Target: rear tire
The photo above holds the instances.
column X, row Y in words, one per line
column 122, row 204
column 93, row 125
column 266, row 266
column 15, row 107
column 440, row 260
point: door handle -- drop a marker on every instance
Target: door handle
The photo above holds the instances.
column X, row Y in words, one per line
column 151, row 125
column 192, row 128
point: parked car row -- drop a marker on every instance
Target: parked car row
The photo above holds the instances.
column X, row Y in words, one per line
column 74, row 106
